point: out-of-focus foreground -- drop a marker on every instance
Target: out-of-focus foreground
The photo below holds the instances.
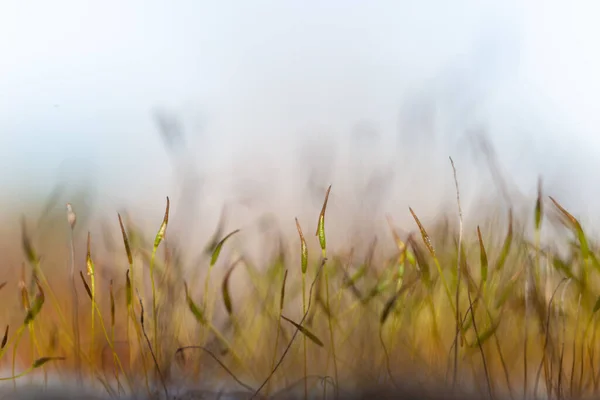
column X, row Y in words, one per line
column 509, row 315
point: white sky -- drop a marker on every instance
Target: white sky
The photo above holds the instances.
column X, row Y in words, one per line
column 79, row 80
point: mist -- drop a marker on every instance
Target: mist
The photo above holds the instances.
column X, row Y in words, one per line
column 258, row 107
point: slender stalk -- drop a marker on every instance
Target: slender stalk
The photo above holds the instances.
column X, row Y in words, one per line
column 72, row 219
column 154, row 305
column 335, row 366
column 458, row 275
column 304, row 337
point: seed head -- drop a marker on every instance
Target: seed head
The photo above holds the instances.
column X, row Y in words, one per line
column 71, row 217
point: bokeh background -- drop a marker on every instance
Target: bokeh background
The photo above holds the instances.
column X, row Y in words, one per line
column 258, row 106
column 245, row 112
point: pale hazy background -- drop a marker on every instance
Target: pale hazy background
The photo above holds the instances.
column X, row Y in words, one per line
column 274, row 100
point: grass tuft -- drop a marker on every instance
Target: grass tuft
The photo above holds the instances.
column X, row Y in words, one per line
column 496, row 307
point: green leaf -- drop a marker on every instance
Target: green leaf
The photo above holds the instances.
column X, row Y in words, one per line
column 400, row 276
column 126, row 242
column 389, row 305
column 225, row 290
column 410, row 257
column 214, row 240
column 424, row 234
column 163, row 227
column 484, row 336
column 321, row 225
column 303, row 248
column 36, row 306
column 560, row 265
column 282, row 298
column 483, row 258
column 193, row 307
column 507, row 243
column 576, row 226
column 305, row 331
column 362, row 270
column 421, row 262
column 88, row 257
column 217, row 252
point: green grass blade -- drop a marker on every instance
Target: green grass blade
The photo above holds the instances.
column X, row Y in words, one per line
column 125, row 242
column 507, row 244
column 424, row 234
column 219, row 246
column 36, row 307
column 160, row 235
column 282, row 298
column 576, row 226
column 483, row 259
column 225, row 289
column 193, row 307
column 321, row 225
column 303, row 248
column 305, row 332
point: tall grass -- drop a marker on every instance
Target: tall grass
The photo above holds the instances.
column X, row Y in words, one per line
column 502, row 314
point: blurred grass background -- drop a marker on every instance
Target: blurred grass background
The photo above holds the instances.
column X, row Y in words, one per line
column 382, row 308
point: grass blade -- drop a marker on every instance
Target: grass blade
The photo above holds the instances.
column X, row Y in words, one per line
column 36, row 307
column 112, row 305
column 193, row 307
column 424, row 235
column 321, row 225
column 360, row 272
column 282, row 298
column 225, row 289
column 125, row 242
column 128, row 290
column 87, row 287
column 160, row 235
column 576, row 226
column 305, row 332
column 214, row 240
column 4, row 338
column 507, row 243
column 219, row 246
column 303, row 248
column 483, row 259
column 427, row 241
column 43, row 360
column 26, row 242
column 539, row 207
column 484, row 336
